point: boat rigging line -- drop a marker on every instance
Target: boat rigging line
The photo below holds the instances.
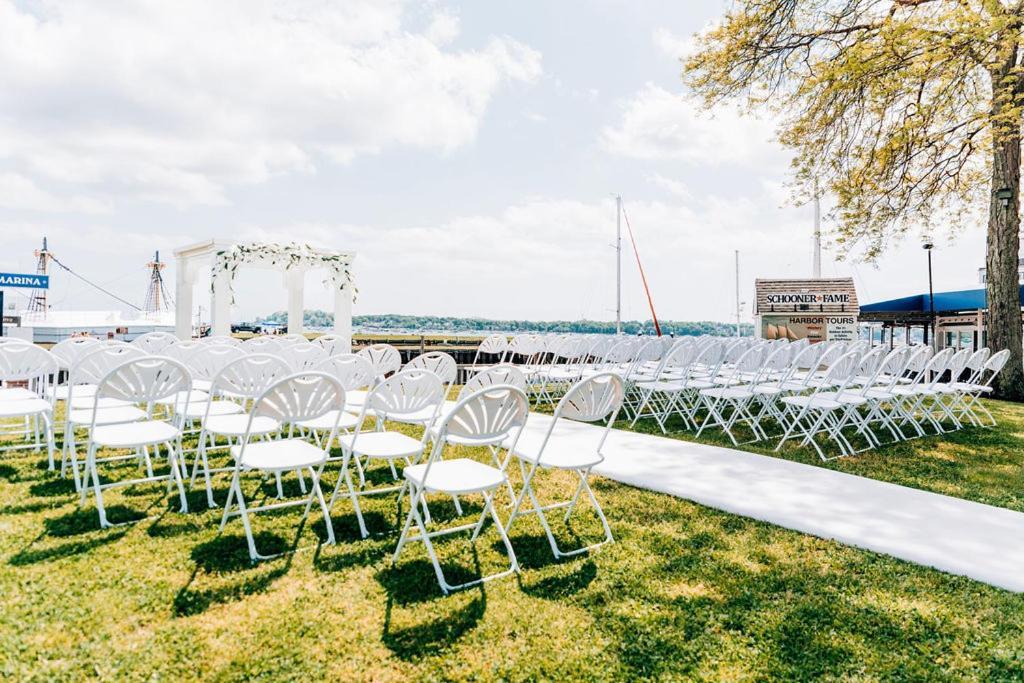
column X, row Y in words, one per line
column 643, row 276
column 93, row 284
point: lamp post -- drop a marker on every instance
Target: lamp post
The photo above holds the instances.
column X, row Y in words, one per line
column 928, row 246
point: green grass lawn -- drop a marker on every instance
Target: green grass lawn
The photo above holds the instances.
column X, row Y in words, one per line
column 686, row 592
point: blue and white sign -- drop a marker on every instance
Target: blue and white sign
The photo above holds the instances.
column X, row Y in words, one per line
column 30, row 280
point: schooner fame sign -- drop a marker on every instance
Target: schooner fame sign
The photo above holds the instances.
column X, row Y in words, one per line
column 816, row 309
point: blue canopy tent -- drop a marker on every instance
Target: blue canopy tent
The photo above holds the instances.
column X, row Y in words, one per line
column 963, row 301
column 956, row 312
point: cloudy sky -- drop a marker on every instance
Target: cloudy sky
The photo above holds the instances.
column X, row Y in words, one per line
column 467, row 151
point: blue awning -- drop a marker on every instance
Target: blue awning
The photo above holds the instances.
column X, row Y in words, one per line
column 963, row 300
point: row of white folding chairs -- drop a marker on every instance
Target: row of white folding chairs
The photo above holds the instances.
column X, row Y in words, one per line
column 204, row 362
column 485, row 417
column 897, row 391
column 553, row 362
column 911, row 392
column 25, row 411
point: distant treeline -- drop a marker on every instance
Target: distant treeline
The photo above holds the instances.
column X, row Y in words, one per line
column 431, row 323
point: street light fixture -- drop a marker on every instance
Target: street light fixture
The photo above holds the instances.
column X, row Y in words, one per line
column 928, row 246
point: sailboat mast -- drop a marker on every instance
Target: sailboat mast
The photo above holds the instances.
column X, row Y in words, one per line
column 737, row 292
column 816, row 265
column 618, row 264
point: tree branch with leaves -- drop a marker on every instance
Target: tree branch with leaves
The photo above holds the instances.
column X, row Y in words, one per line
column 908, row 112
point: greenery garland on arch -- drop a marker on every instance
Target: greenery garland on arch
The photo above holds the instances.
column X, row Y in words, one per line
column 289, row 255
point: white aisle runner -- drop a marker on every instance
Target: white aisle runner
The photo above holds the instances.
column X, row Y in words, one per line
column 961, row 537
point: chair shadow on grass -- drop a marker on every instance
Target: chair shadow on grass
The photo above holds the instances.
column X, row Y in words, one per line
column 85, row 520
column 534, row 552
column 38, row 506
column 75, row 523
column 162, row 528
column 32, row 555
column 413, row 583
column 9, row 473
column 224, row 563
column 351, row 549
column 53, row 487
column 197, row 498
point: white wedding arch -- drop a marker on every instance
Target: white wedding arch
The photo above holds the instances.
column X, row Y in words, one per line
column 293, row 260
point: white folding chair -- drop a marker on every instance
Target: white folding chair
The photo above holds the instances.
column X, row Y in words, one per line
column 503, row 373
column 949, row 389
column 877, row 390
column 808, row 415
column 204, row 363
column 293, row 338
column 406, row 393
column 302, row 396
column 207, row 360
column 221, row 339
column 303, row 356
column 67, row 352
column 155, row 343
column 137, row 381
column 919, row 397
column 83, row 409
column 241, row 381
column 981, row 384
column 496, row 374
column 334, row 344
column 494, row 345
column 37, row 368
column 442, row 365
column 487, row 415
column 591, row 400
column 183, row 349
column 384, row 358
column 354, row 373
column 262, row 344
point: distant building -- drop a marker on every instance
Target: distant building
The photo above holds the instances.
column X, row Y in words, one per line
column 983, row 276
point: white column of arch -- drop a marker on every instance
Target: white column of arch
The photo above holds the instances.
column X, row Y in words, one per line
column 220, row 303
column 343, row 313
column 184, row 282
column 295, row 280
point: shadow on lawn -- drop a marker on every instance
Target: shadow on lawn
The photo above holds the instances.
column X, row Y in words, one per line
column 562, row 585
column 9, row 473
column 161, row 528
column 27, row 507
column 414, row 582
column 84, row 520
column 52, row 487
column 32, row 555
column 224, row 565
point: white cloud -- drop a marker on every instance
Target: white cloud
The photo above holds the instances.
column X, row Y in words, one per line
column 19, row 192
column 671, row 45
column 443, row 28
column 659, row 125
column 539, row 258
column 548, row 258
column 179, row 101
column 670, row 185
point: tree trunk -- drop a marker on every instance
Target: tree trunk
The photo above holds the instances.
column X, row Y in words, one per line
column 1001, row 259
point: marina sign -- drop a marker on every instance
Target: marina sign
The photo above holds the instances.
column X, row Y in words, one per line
column 29, row 280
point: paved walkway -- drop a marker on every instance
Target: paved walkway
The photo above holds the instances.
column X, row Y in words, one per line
column 957, row 536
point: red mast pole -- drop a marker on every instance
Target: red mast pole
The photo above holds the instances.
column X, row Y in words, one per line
column 643, row 277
